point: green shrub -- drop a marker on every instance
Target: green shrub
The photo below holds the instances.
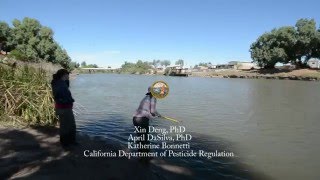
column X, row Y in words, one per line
column 17, row 55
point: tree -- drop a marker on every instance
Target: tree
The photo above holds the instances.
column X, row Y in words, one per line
column 46, row 45
column 180, row 62
column 267, row 51
column 165, row 63
column 306, row 40
column 287, row 44
column 83, row 64
column 316, row 45
column 156, row 63
column 26, row 37
column 140, row 67
column 5, row 35
column 62, row 57
column 30, row 41
column 74, row 65
column 92, row 66
column 204, row 64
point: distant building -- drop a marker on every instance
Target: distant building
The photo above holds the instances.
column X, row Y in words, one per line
column 175, row 67
column 236, row 65
column 314, row 63
column 288, row 66
column 233, row 63
column 245, row 65
column 224, row 66
column 178, row 70
column 230, row 65
column 160, row 68
column 212, row 66
column 202, row 68
column 285, row 66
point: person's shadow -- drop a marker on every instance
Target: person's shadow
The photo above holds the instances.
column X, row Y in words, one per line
column 20, row 148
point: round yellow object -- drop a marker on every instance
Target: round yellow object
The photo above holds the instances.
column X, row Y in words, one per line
column 159, row 89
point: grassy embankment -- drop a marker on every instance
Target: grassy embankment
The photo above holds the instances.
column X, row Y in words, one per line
column 26, row 97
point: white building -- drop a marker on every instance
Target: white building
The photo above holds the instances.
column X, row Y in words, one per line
column 314, row 63
column 245, row 65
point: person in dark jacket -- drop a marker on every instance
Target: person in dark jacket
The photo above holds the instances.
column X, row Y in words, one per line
column 63, row 107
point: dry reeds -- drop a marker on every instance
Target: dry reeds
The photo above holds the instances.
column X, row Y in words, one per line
column 26, row 96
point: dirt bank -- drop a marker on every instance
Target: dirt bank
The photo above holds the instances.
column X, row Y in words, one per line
column 300, row 74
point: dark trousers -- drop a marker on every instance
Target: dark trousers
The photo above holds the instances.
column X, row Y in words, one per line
column 143, row 123
column 67, row 128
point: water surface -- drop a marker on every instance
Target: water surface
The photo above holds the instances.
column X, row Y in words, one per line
column 272, row 126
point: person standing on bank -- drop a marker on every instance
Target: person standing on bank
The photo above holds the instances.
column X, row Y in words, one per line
column 63, row 107
column 145, row 112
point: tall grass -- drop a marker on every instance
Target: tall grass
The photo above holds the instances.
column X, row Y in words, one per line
column 26, row 96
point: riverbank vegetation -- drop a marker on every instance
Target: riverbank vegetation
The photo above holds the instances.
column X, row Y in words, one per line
column 287, row 44
column 29, row 41
column 143, row 67
column 85, row 65
column 26, row 97
column 29, row 56
column 135, row 68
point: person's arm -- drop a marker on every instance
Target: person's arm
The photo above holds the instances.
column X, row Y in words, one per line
column 153, row 110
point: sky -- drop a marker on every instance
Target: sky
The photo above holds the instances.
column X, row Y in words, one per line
column 109, row 32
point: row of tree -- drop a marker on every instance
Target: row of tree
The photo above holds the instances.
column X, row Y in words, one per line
column 157, row 63
column 85, row 65
column 30, row 41
column 166, row 63
column 139, row 67
column 208, row 64
column 287, row 44
column 143, row 67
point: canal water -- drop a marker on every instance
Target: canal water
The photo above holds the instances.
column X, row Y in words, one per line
column 271, row 126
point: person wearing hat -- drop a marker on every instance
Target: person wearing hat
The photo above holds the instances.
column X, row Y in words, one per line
column 145, row 112
column 63, row 107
